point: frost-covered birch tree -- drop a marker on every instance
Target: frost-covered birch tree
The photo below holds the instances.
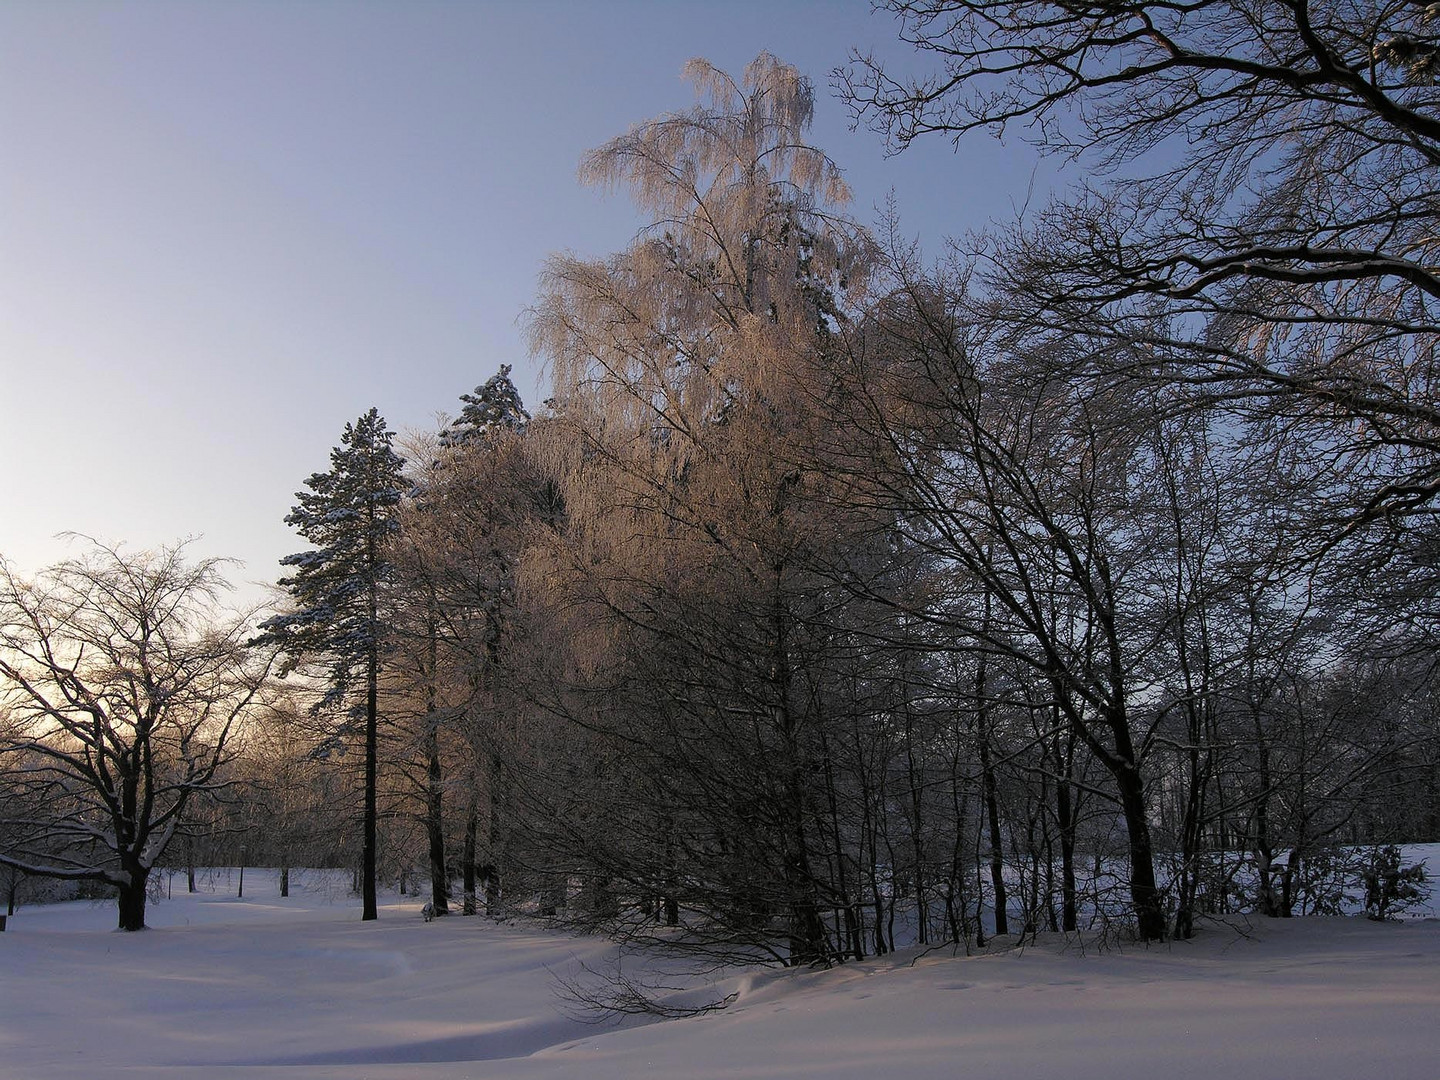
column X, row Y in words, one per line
column 682, row 372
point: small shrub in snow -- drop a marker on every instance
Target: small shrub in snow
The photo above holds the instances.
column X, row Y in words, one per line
column 1391, row 887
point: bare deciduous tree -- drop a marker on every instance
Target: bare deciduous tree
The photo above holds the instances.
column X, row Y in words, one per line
column 121, row 685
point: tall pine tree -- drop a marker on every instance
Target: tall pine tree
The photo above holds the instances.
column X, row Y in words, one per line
column 349, row 514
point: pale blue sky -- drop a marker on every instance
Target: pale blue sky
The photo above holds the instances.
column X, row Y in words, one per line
column 226, row 229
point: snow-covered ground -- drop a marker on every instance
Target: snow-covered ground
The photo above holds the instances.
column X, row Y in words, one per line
column 270, row 989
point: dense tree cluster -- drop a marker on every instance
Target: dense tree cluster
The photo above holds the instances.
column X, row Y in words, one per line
column 837, row 601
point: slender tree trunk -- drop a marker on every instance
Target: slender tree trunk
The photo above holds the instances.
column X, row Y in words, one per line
column 434, row 784
column 670, row 884
column 955, row 885
column 494, row 834
column 467, row 857
column 849, row 929
column 870, row 841
column 807, row 928
column 1191, row 835
column 1066, row 815
column 992, row 802
column 914, row 781
column 1269, row 897
column 285, row 878
column 435, row 823
column 370, row 909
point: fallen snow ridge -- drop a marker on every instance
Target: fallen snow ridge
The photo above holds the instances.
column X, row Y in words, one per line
column 271, row 989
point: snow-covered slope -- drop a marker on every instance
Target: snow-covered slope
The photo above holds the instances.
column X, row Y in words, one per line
column 264, row 989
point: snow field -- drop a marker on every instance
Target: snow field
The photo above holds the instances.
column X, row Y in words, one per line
column 300, row 989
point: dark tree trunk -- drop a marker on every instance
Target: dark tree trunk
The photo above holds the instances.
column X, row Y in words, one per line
column 849, row 927
column 992, row 802
column 1067, row 816
column 131, row 898
column 670, row 901
column 1191, row 840
column 807, row 929
column 1144, row 895
column 1269, row 900
column 490, row 877
column 997, row 856
column 285, row 879
column 955, row 916
column 914, row 782
column 467, row 858
column 1120, row 761
column 370, row 909
column 434, row 785
column 1065, row 812
column 435, row 824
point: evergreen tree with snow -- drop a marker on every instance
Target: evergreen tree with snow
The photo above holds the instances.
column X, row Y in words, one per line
column 494, row 406
column 349, row 514
column 451, row 505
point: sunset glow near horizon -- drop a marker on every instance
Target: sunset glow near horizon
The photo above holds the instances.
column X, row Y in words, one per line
column 228, row 229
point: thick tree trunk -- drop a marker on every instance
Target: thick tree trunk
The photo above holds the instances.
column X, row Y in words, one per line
column 1145, row 900
column 1144, row 895
column 132, row 900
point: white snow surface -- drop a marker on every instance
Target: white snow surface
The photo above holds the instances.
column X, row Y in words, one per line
column 299, row 989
